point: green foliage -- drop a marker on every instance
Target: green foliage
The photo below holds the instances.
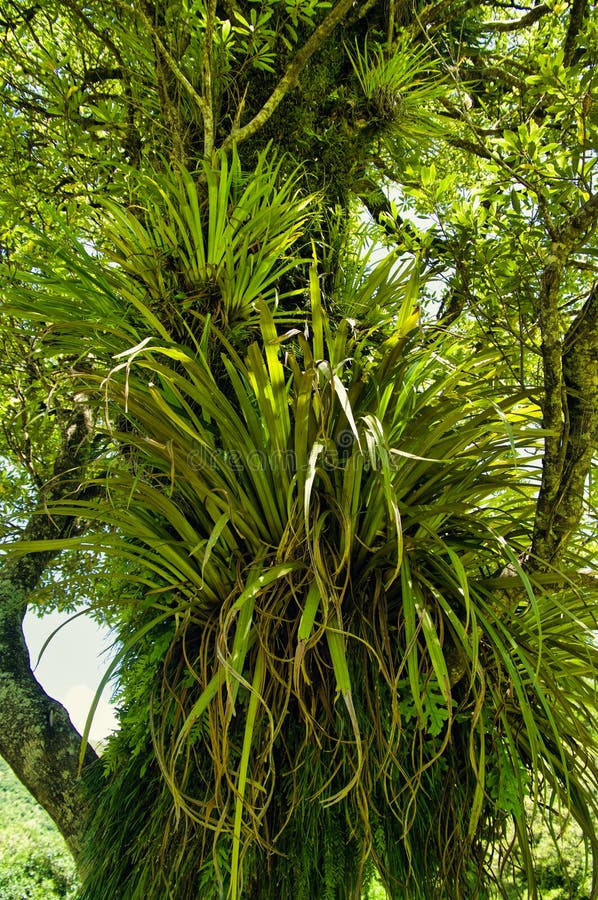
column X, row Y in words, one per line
column 561, row 865
column 345, row 491
column 323, row 529
column 399, row 88
column 34, row 862
column 219, row 259
column 430, row 710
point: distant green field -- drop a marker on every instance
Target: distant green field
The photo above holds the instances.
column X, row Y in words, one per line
column 34, row 861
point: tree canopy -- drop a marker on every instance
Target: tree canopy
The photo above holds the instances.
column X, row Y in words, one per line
column 299, row 391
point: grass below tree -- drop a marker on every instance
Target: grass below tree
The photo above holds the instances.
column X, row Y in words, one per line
column 34, row 861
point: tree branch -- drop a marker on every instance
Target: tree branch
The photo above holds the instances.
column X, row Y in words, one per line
column 442, row 11
column 172, row 64
column 98, row 74
column 26, row 16
column 37, row 738
column 101, row 73
column 102, row 36
column 208, row 111
column 570, row 417
column 478, row 149
column 576, row 17
column 530, row 18
column 291, row 75
column 580, row 372
column 580, row 223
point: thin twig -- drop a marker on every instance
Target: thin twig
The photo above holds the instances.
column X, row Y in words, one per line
column 174, row 66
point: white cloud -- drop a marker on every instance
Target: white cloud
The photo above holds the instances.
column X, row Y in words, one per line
column 78, row 700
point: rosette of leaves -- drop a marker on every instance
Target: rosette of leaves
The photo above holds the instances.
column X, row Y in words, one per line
column 333, row 663
column 399, row 86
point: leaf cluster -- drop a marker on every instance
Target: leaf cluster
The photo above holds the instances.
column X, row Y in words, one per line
column 331, row 621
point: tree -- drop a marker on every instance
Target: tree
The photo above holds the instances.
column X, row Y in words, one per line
column 345, row 491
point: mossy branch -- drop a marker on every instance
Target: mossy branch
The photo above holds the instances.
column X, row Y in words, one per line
column 38, row 739
column 208, row 110
column 174, row 66
column 291, row 75
column 534, row 15
column 570, row 413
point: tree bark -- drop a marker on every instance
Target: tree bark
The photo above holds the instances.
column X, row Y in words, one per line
column 37, row 737
column 570, row 407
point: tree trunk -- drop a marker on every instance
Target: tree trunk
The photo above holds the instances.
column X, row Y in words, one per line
column 37, row 738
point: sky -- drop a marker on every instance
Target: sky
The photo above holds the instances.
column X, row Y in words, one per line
column 72, row 666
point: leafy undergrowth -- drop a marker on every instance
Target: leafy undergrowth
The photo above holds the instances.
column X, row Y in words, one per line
column 35, row 864
column 34, row 861
column 563, row 877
